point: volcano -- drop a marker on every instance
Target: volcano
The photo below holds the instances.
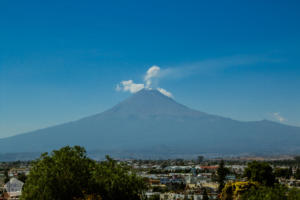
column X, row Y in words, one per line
column 149, row 120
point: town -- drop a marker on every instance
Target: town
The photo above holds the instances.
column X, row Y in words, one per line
column 179, row 179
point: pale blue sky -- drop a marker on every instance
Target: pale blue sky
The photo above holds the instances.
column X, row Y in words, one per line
column 62, row 60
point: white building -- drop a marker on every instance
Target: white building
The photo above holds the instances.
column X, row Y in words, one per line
column 13, row 188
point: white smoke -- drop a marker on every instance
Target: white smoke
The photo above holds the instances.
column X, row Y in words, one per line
column 152, row 73
column 130, row 86
column 278, row 117
column 165, row 92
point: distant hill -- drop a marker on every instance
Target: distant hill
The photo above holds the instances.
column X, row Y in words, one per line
column 149, row 122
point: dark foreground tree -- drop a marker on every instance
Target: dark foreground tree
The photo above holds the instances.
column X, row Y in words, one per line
column 283, row 172
column 200, row 159
column 6, row 179
column 22, row 177
column 68, row 174
column 221, row 174
column 260, row 172
column 205, row 195
column 297, row 174
column 297, row 159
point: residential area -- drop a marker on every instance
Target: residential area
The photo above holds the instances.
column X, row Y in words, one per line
column 177, row 179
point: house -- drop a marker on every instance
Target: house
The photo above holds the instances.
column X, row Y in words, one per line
column 13, row 189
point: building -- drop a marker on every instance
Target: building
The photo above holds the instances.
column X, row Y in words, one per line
column 13, row 189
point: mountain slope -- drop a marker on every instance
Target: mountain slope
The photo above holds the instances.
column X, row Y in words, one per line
column 149, row 119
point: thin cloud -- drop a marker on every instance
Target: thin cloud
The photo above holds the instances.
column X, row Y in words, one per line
column 213, row 65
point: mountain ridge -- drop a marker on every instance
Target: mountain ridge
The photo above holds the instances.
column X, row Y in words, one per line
column 148, row 119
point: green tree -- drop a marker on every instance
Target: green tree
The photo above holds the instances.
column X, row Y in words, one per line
column 290, row 173
column 68, row 174
column 283, row 172
column 115, row 181
column 277, row 192
column 200, row 159
column 22, row 177
column 90, row 197
column 6, row 179
column 154, row 197
column 293, row 194
column 297, row 174
column 260, row 172
column 221, row 174
column 63, row 175
column 297, row 159
column 205, row 195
